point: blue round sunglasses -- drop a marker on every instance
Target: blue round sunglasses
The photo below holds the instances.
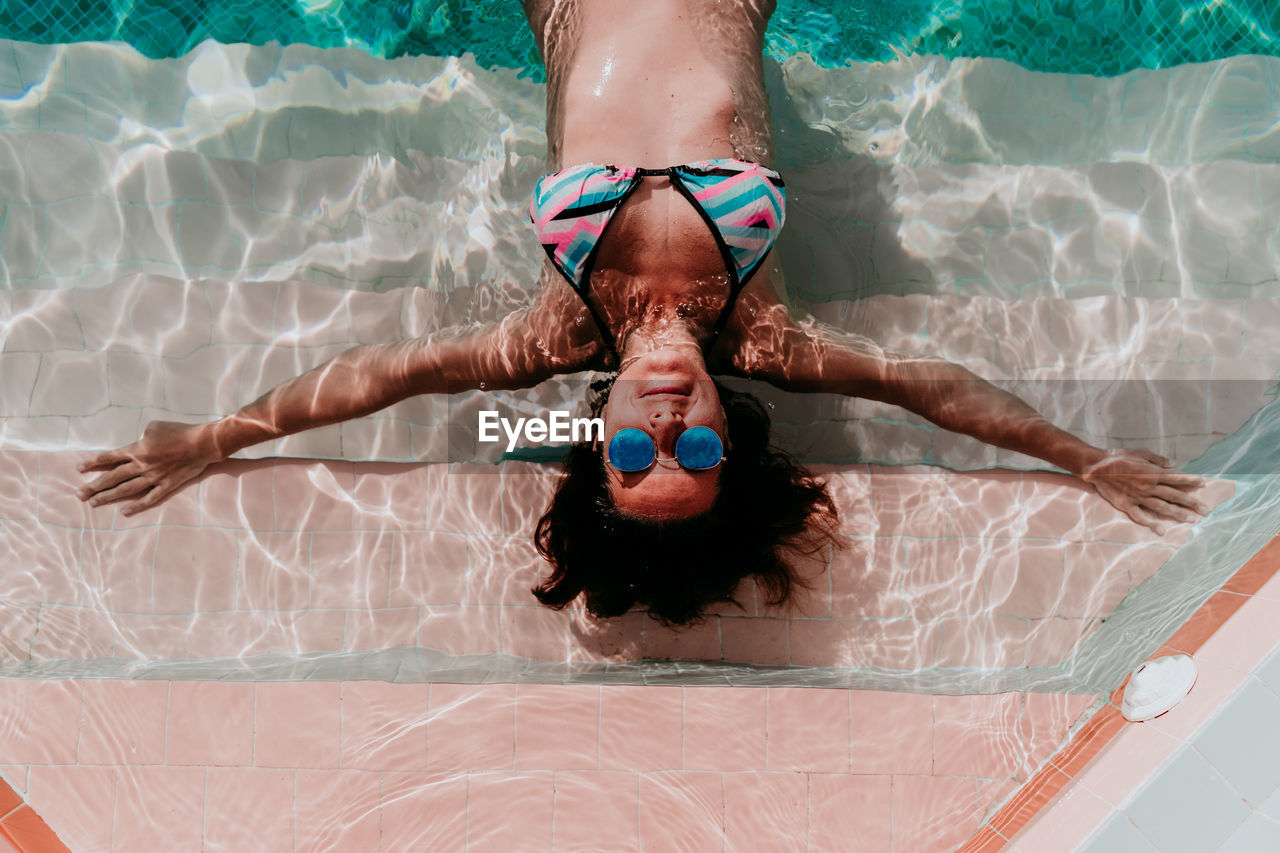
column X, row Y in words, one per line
column 697, row 449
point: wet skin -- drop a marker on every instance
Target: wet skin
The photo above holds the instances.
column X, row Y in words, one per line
column 649, row 84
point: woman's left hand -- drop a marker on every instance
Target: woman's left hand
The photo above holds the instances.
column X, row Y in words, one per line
column 1140, row 484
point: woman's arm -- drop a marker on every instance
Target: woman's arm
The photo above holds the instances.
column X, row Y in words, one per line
column 520, row 351
column 808, row 356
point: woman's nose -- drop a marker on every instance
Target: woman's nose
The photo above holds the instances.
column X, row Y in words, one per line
column 666, row 426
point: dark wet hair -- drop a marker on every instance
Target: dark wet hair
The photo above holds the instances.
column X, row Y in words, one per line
column 768, row 509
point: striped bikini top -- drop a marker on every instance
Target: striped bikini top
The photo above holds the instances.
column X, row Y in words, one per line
column 744, row 205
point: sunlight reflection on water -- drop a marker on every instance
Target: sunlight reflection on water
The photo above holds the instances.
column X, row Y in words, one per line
column 266, row 208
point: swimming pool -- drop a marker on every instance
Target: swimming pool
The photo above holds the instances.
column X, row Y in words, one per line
column 1102, row 242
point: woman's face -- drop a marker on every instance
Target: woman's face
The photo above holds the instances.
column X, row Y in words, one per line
column 664, row 393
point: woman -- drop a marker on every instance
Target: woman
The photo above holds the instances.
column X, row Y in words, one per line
column 658, row 267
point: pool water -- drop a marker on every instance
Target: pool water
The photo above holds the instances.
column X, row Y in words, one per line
column 1068, row 36
column 1089, row 221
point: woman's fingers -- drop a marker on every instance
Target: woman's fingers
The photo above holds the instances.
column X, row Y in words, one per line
column 110, row 459
column 129, row 488
column 1181, row 481
column 1183, row 499
column 1145, row 518
column 153, row 497
column 109, row 480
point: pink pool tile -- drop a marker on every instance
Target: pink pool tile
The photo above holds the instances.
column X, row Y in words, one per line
column 700, row 642
column 892, row 732
column 557, row 727
column 724, row 729
column 619, row 638
column 247, row 808
column 765, row 811
column 1113, row 774
column 18, row 629
column 682, row 811
column 641, row 728
column 1063, row 828
column 510, row 811
column 535, row 632
column 526, row 492
column 933, row 812
column 55, row 499
column 1051, row 641
column 825, row 642
column 158, row 808
column 471, row 727
column 913, row 500
column 77, row 803
column 502, row 570
column 226, row 635
column 899, row 643
column 1238, row 644
column 429, row 568
column 597, row 810
column 1025, row 579
column 1045, row 720
column 384, row 726
column 866, row 579
column 389, row 495
column 852, row 813
column 16, row 776
column 808, row 730
column 209, row 723
column 423, row 812
column 307, row 631
column 312, row 495
column 461, row 629
column 985, row 640
column 850, row 488
column 1053, row 506
column 978, row 735
column 116, row 568
column 296, row 725
column 1096, row 579
column 350, row 570
column 336, row 810
column 195, row 569
column 945, row 576
column 987, row 502
column 71, row 632
column 153, row 637
column 755, row 639
column 238, row 495
column 463, row 498
column 38, row 721
column 273, row 568
column 382, row 629
column 122, row 722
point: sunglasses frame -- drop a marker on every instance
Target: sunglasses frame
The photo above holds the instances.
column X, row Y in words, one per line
column 724, row 452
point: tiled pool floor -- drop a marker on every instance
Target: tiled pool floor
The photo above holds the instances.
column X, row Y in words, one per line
column 312, row 765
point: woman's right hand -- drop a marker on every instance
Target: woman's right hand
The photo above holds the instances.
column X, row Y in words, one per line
column 152, row 468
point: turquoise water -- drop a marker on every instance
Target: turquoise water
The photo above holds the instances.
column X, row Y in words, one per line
column 1101, row 37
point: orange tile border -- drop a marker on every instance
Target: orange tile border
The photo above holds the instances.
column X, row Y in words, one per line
column 24, row 828
column 1099, row 731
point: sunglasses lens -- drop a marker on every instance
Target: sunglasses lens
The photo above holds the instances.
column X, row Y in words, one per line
column 699, row 448
column 631, row 449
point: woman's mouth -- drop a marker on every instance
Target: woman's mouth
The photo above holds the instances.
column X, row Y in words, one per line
column 667, row 389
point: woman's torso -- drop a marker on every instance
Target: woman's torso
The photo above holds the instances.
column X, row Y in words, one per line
column 654, row 84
